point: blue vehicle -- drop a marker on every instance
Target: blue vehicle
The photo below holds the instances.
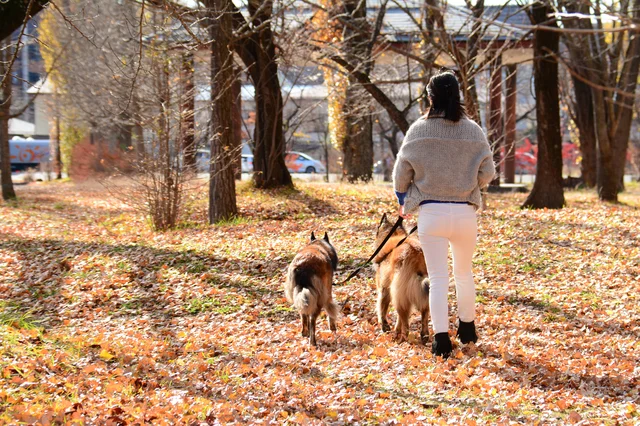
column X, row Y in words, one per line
column 25, row 154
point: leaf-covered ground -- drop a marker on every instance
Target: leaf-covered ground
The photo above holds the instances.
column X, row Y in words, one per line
column 105, row 322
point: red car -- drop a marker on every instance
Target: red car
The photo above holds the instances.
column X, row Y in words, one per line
column 527, row 156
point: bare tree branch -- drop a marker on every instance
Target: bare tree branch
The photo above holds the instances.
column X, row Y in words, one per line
column 396, row 115
column 27, row 16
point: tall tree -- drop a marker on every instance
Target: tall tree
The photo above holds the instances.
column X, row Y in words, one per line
column 257, row 48
column 55, row 151
column 357, row 148
column 510, row 104
column 612, row 63
column 547, row 190
column 99, row 68
column 464, row 55
column 8, row 192
column 581, row 104
column 583, row 116
column 495, row 123
column 222, row 191
column 354, row 55
column 187, row 113
column 431, row 12
column 254, row 41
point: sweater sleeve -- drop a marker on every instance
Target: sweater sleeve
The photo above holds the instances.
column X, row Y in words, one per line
column 402, row 174
column 486, row 172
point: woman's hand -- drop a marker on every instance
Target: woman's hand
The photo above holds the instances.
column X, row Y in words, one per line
column 402, row 214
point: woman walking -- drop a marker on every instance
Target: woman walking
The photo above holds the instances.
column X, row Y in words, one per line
column 444, row 161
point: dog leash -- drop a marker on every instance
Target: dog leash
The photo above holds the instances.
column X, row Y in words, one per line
column 414, row 229
column 393, row 229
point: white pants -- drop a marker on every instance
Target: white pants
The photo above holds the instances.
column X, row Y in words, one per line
column 441, row 226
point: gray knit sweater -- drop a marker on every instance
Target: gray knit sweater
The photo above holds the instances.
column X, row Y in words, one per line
column 443, row 160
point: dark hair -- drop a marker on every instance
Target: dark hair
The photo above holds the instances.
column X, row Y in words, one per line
column 444, row 96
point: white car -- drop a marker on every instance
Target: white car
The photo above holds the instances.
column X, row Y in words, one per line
column 247, row 163
column 297, row 162
column 203, row 157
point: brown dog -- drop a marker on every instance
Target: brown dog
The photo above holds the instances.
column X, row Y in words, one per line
column 308, row 284
column 401, row 279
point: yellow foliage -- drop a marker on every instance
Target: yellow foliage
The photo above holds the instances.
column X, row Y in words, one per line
column 337, row 82
column 51, row 48
column 337, row 85
column 53, row 54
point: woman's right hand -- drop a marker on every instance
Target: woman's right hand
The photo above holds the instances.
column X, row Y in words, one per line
column 402, row 214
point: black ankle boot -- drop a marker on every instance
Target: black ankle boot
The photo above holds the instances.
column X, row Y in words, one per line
column 467, row 332
column 441, row 345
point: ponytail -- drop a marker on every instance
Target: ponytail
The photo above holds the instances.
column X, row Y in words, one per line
column 444, row 94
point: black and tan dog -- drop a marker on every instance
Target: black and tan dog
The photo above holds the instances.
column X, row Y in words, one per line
column 309, row 282
column 401, row 279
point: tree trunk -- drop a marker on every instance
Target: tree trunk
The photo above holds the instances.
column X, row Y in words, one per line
column 258, row 52
column 495, row 115
column 56, row 152
column 138, row 135
column 547, row 190
column 358, row 145
column 610, row 65
column 623, row 105
column 607, row 176
column 431, row 12
column 471, row 103
column 167, row 197
column 608, row 181
column 222, row 189
column 187, row 114
column 466, row 62
column 393, row 140
column 8, row 193
column 237, row 126
column 138, row 131
column 325, row 147
column 268, row 162
column 357, row 164
column 583, row 110
column 510, row 124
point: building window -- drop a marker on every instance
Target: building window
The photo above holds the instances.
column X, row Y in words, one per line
column 33, row 77
column 34, row 52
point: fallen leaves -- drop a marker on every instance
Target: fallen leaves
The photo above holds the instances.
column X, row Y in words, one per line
column 103, row 321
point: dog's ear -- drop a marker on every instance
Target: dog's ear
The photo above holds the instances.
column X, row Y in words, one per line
column 383, row 220
column 313, row 236
column 326, row 237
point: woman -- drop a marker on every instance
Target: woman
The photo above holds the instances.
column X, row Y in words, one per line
column 444, row 161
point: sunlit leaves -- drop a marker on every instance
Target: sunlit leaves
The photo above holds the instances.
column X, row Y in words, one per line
column 103, row 321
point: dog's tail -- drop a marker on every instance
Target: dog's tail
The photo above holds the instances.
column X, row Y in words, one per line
column 305, row 296
column 305, row 300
